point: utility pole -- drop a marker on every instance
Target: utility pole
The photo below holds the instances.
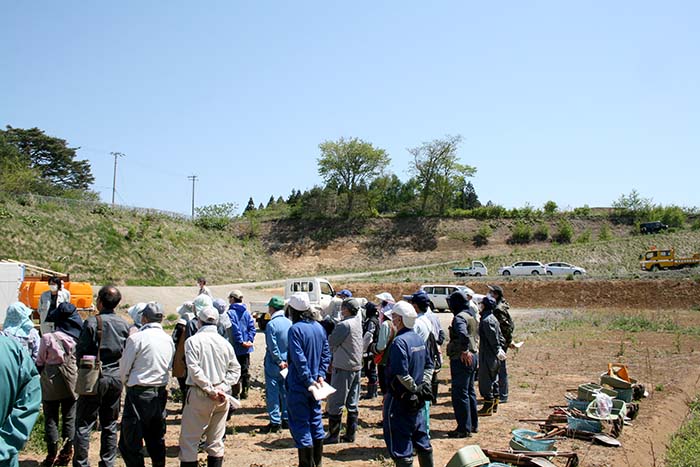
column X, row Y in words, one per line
column 114, row 179
column 194, row 179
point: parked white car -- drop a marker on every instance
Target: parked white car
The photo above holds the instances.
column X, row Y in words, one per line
column 564, row 269
column 438, row 295
column 523, row 268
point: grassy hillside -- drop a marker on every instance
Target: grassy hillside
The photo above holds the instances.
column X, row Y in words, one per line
column 96, row 243
column 99, row 244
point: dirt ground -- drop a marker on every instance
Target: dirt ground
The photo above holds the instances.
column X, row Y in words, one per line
column 558, row 355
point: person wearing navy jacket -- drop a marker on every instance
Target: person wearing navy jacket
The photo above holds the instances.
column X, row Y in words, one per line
column 405, row 428
column 308, row 357
column 239, row 314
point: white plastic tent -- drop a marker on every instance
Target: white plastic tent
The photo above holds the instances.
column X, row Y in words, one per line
column 11, row 277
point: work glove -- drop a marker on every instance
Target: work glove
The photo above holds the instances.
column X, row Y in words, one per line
column 501, row 355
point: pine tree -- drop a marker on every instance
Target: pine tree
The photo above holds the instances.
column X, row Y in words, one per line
column 250, row 206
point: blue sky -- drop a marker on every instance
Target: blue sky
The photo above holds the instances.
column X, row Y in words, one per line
column 575, row 102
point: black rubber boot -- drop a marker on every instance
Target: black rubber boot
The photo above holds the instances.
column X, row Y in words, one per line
column 351, row 427
column 318, row 452
column 306, row 457
column 371, row 392
column 425, row 459
column 404, row 462
column 245, row 386
column 334, row 424
column 495, row 405
column 52, row 451
column 214, row 461
column 435, row 386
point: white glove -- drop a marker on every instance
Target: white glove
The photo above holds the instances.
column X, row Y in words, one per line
column 501, row 355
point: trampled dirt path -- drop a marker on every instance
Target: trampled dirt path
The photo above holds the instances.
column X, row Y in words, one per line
column 550, row 363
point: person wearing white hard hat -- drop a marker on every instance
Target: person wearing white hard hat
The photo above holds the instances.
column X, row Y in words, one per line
column 405, row 429
column 308, row 357
column 212, row 369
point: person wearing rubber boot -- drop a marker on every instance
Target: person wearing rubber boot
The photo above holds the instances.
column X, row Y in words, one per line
column 507, row 328
column 308, row 357
column 276, row 344
column 59, row 372
column 346, row 345
column 104, row 335
column 212, row 369
column 240, row 314
column 491, row 343
column 462, row 351
column 370, row 336
column 144, row 370
column 404, row 424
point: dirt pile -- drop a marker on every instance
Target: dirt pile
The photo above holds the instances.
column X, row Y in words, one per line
column 625, row 294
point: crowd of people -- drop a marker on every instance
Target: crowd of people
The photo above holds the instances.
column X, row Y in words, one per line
column 78, row 371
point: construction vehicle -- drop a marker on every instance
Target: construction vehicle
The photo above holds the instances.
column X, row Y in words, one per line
column 655, row 259
column 26, row 282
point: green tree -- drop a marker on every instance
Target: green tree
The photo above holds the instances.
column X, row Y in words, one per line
column 348, row 164
column 632, row 208
column 55, row 162
column 438, row 172
column 250, row 206
column 16, row 174
column 550, row 207
column 565, row 233
column 215, row 216
column 271, row 202
column 481, row 237
column 520, row 234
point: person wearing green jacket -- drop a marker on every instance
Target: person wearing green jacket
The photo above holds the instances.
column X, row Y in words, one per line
column 20, row 399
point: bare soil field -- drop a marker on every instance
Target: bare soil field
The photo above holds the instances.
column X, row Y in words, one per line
column 567, row 342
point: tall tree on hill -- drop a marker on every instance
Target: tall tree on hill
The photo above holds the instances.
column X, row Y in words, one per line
column 250, row 206
column 437, row 170
column 52, row 158
column 16, row 174
column 349, row 164
column 469, row 198
column 271, row 202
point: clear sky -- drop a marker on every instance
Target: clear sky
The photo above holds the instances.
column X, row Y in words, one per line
column 577, row 102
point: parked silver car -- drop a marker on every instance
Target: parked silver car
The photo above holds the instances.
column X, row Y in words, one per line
column 438, row 295
column 523, row 268
column 564, row 269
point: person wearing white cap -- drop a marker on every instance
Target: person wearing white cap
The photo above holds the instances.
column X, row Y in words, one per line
column 212, row 369
column 308, row 356
column 404, row 424
column 386, row 335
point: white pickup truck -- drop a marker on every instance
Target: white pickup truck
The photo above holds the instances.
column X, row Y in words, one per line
column 320, row 292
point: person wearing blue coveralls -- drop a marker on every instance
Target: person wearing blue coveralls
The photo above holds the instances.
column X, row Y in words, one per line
column 491, row 344
column 405, row 429
column 463, row 353
column 239, row 314
column 308, row 357
column 276, row 334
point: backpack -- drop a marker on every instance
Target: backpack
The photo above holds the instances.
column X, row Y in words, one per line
column 505, row 321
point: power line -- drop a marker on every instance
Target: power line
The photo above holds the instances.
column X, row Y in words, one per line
column 114, row 179
column 194, row 179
